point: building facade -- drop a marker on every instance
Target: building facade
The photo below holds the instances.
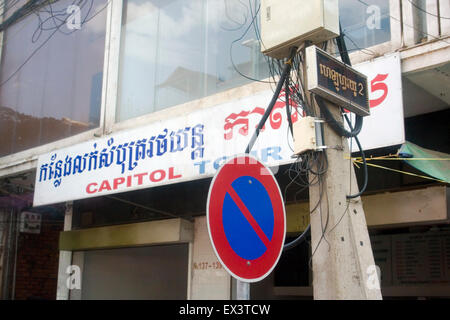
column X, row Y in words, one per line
column 115, row 115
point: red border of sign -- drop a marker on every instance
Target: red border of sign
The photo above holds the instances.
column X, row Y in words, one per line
column 238, row 267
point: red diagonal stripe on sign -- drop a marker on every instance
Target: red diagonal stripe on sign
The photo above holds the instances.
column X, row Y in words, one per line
column 235, row 197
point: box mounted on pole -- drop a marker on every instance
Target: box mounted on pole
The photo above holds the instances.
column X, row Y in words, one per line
column 308, row 135
column 287, row 24
column 337, row 82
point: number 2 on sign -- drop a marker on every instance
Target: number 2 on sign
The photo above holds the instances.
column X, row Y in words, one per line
column 361, row 88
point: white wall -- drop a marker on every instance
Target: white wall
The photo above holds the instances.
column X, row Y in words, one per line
column 207, row 283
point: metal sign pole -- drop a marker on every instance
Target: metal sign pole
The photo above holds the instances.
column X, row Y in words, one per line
column 242, row 290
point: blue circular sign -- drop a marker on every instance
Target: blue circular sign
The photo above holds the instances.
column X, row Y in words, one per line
column 247, row 242
column 246, row 218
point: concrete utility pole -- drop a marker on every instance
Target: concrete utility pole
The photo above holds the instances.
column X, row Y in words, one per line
column 343, row 263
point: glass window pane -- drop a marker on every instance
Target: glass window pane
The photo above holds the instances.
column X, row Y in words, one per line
column 51, row 78
column 365, row 23
column 175, row 51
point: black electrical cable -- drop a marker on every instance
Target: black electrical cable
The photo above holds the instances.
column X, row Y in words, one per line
column 288, row 110
column 335, row 124
column 239, row 39
column 345, row 57
column 284, row 80
column 366, row 173
column 343, row 47
column 284, row 75
column 298, row 240
column 20, row 13
column 303, row 236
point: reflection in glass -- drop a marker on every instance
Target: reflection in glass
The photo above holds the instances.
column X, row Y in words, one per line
column 365, row 23
column 175, row 51
column 51, row 80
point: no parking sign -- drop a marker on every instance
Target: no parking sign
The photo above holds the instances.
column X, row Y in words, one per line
column 246, row 218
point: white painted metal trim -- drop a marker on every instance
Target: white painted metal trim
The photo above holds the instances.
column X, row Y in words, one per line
column 409, row 32
column 444, row 11
column 31, row 154
column 65, row 259
column 432, row 6
column 1, row 33
column 112, row 63
column 396, row 24
column 105, row 68
column 77, row 260
column 191, row 106
column 189, row 271
column 425, row 55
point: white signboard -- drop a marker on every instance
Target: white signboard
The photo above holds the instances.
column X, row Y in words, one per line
column 30, row 222
column 189, row 147
column 385, row 125
column 195, row 145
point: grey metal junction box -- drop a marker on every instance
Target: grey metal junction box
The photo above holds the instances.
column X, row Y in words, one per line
column 288, row 23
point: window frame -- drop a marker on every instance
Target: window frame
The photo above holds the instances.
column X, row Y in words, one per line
column 112, row 126
column 27, row 159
